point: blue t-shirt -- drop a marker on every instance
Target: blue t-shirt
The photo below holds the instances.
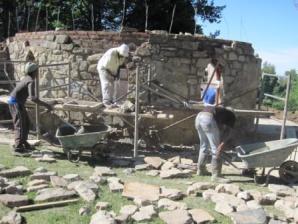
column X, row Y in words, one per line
column 210, row 95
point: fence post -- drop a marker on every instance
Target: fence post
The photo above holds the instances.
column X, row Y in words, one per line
column 136, row 131
column 282, row 132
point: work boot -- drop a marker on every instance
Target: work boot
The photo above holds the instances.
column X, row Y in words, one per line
column 202, row 171
column 216, row 172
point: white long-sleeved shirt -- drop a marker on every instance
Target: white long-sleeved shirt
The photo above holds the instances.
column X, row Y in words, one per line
column 111, row 61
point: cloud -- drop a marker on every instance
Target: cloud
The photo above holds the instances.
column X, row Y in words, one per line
column 283, row 60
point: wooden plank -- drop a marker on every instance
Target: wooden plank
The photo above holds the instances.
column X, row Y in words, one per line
column 45, row 205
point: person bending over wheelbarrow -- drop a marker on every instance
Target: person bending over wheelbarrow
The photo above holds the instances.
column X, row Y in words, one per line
column 210, row 123
column 24, row 89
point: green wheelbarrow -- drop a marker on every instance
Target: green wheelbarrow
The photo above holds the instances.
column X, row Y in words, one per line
column 74, row 143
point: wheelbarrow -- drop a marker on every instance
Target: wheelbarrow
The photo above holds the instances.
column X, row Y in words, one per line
column 74, row 143
column 271, row 154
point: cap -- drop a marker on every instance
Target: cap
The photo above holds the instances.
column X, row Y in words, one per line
column 123, row 50
column 30, row 67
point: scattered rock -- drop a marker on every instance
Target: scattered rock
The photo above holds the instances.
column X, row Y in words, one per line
column 101, row 205
column 57, row 181
column 141, row 167
column 208, row 194
column 281, row 190
column 256, row 195
column 244, row 195
column 115, row 184
column 167, row 166
column 103, row 171
column 185, row 161
column 144, row 214
column 84, row 211
column 54, row 194
column 273, row 221
column 268, row 199
column 253, row 204
column 199, row 186
column 228, row 188
column 175, row 160
column 15, row 172
column 13, row 189
column 230, row 199
column 172, row 194
column 37, row 187
column 168, row 204
column 224, row 208
column 173, row 173
column 121, row 219
column 201, row 216
column 257, row 216
column 176, row 217
column 142, row 191
column 129, row 171
column 154, row 161
column 43, row 176
column 296, row 214
column 85, row 193
column 62, row 39
column 128, row 210
column 13, row 218
column 14, row 200
column 46, row 159
column 102, row 217
column 152, row 173
column 37, row 182
column 98, row 179
column 40, row 170
column 141, row 202
column 72, row 177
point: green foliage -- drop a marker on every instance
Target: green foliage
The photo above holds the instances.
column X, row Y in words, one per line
column 107, row 14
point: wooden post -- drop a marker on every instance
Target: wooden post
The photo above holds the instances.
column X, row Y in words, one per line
column 149, row 84
column 172, row 20
column 282, row 132
column 37, row 112
column 136, row 131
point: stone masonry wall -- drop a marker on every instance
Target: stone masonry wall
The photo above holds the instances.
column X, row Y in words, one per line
column 176, row 61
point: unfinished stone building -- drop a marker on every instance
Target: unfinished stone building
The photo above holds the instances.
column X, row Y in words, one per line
column 175, row 61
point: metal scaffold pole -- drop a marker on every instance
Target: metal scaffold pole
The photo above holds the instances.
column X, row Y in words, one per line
column 282, row 133
column 136, row 126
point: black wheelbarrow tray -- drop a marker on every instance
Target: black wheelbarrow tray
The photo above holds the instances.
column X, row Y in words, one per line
column 74, row 143
column 273, row 155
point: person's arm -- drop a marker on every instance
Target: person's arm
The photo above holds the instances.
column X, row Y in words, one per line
column 32, row 96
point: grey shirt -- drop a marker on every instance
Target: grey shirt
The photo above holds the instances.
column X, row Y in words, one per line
column 24, row 89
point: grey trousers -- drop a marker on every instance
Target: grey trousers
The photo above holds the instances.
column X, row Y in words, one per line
column 107, row 86
column 21, row 124
column 208, row 134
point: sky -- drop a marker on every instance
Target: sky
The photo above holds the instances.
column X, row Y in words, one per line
column 271, row 26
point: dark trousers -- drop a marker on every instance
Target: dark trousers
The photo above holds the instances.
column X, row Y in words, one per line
column 21, row 124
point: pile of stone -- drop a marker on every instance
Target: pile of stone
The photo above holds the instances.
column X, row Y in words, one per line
column 175, row 167
column 46, row 156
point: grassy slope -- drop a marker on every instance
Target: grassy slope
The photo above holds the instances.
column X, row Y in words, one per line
column 70, row 214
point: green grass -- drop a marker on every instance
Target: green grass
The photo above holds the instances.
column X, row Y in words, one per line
column 69, row 214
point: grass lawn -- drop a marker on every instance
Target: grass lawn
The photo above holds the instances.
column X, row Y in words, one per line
column 69, row 214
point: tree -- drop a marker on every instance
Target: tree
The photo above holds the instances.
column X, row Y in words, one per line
column 31, row 15
column 269, row 82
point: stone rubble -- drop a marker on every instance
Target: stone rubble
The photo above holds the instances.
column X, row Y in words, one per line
column 142, row 191
column 154, row 162
column 102, row 205
column 14, row 200
column 13, row 218
column 103, row 171
column 54, row 194
column 15, row 172
column 176, row 217
column 144, row 214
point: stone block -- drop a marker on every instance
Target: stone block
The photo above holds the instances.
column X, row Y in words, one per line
column 154, row 162
column 54, row 194
column 140, row 190
column 50, row 37
column 176, row 217
column 16, row 172
column 13, row 200
column 62, row 39
column 83, row 66
column 67, row 47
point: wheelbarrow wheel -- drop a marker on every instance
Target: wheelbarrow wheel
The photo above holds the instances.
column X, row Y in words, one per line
column 73, row 157
column 288, row 171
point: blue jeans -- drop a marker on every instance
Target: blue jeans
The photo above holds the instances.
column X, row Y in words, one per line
column 208, row 134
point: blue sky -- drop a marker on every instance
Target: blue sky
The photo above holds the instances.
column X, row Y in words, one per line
column 270, row 25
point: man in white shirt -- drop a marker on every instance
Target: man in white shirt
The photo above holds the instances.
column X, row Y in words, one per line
column 108, row 68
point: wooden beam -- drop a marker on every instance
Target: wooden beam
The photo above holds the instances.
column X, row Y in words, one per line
column 28, row 208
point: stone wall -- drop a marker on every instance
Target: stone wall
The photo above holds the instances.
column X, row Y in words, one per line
column 176, row 61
